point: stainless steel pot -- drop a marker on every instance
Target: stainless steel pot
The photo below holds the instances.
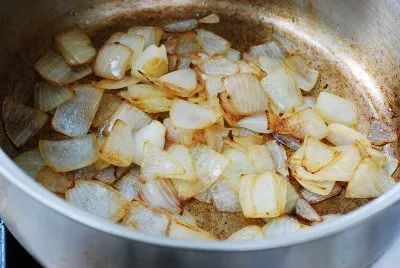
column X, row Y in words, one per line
column 356, row 43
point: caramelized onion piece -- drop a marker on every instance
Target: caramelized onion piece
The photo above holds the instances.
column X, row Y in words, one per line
column 180, row 230
column 112, row 61
column 257, row 123
column 210, row 19
column 305, row 76
column 278, row 154
column 48, row 96
column 281, row 226
column 224, row 198
column 153, row 61
column 21, row 122
column 134, row 41
column 53, row 68
column 108, row 105
column 306, row 211
column 313, row 198
column 31, row 162
column 152, row 35
column 143, row 91
column 180, row 154
column 219, row 65
column 129, row 185
column 53, row 181
column 176, row 134
column 112, row 84
column 335, row 109
column 212, row 43
column 251, row 232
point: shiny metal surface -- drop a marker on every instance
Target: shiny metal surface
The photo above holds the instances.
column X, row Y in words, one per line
column 360, row 37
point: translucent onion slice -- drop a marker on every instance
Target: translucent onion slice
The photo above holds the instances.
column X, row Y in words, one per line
column 391, row 162
column 181, row 26
column 305, row 76
column 328, row 218
column 183, row 62
column 318, row 187
column 369, row 181
column 152, row 35
column 178, row 135
column 289, row 141
column 291, row 199
column 100, row 164
column 86, row 173
column 316, row 154
column 21, row 122
column 280, row 227
column 153, row 133
column 75, row 46
column 219, row 65
column 112, row 84
column 278, row 154
column 53, row 181
column 134, row 41
column 106, row 175
column 187, row 115
column 182, row 81
column 262, row 195
column 53, row 68
column 129, row 185
column 180, row 230
column 246, row 93
column 153, row 105
column 69, row 154
column 108, row 105
column 213, row 85
column 308, row 102
column 181, row 155
column 112, row 61
column 121, row 171
column 342, row 135
column 233, row 54
column 313, row 198
column 75, row 117
column 80, row 72
column 381, row 133
column 306, row 211
column 239, row 164
column 98, row 199
column 48, row 96
column 160, row 193
column 335, row 109
column 153, row 61
column 302, row 123
column 143, row 91
column 186, row 217
column 282, row 90
column 210, row 19
column 270, row 49
column 31, row 162
column 261, row 158
column 224, row 198
column 249, row 67
column 251, row 232
column 243, row 142
column 257, row 123
column 269, row 64
column 132, row 116
column 212, row 43
column 146, row 219
column 157, row 163
column 215, row 135
column 205, row 196
column 188, row 43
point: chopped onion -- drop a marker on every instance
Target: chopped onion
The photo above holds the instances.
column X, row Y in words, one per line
column 132, row 116
column 142, row 91
column 48, row 96
column 86, row 173
column 205, row 196
column 31, row 162
column 80, row 72
column 342, row 135
column 291, row 199
column 98, row 199
column 153, row 133
column 181, row 26
column 278, row 154
column 160, row 193
column 306, row 211
column 108, row 105
column 212, row 43
column 308, row 102
column 280, row 227
column 100, row 164
column 282, row 90
column 183, row 82
column 183, row 62
column 318, row 187
column 75, row 117
column 54, row 181
column 289, row 141
column 302, row 123
column 313, row 198
column 369, row 181
column 186, row 218
column 187, row 115
column 106, row 175
column 316, row 155
column 178, row 135
column 152, row 35
column 219, row 65
column 112, row 84
column 261, row 158
column 270, row 49
column 53, row 68
column 213, row 85
column 334, row 109
column 257, row 123
column 391, row 162
column 188, row 43
column 249, row 67
column 269, row 64
column 75, row 46
column 215, row 135
column 21, row 122
column 262, row 195
column 251, row 232
column 224, row 198
column 246, row 93
column 153, row 105
column 381, row 133
column 180, row 154
column 210, row 19
column 305, row 76
column 66, row 155
column 146, row 219
column 121, row 171
column 153, row 61
column 180, row 230
column 112, row 61
column 242, row 142
column 134, row 41
column 129, row 185
column 233, row 54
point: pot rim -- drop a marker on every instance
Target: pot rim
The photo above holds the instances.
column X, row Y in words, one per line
column 16, row 176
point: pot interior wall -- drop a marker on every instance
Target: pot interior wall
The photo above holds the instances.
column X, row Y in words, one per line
column 351, row 65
